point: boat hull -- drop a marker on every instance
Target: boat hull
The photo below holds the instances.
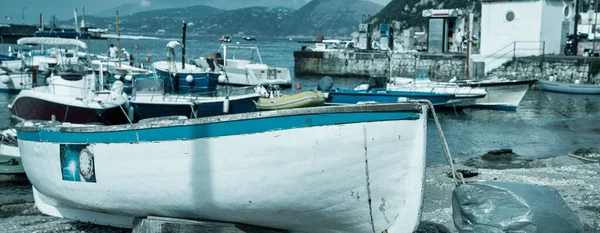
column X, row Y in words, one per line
column 357, row 96
column 319, row 172
column 201, row 81
column 34, row 105
column 253, row 77
column 145, row 108
column 502, row 95
column 569, row 87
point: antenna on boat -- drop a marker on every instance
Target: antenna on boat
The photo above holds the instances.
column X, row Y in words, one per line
column 75, row 18
column 118, row 40
column 469, row 38
column 83, row 17
column 183, row 46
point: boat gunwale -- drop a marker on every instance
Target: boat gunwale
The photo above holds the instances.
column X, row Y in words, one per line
column 481, row 83
column 410, row 106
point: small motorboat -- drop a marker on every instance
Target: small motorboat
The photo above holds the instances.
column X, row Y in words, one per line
column 502, row 94
column 275, row 101
column 225, row 39
column 572, row 88
column 249, row 38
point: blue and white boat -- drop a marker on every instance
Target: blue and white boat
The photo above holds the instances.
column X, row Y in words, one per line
column 449, row 95
column 354, row 168
column 184, row 77
column 149, row 100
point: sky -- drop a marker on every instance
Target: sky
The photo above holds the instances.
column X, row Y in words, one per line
column 63, row 9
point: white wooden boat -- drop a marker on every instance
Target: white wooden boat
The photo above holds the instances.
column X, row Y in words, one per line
column 352, row 168
column 502, row 94
column 573, row 88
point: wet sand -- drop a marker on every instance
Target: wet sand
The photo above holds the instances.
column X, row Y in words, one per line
column 575, row 179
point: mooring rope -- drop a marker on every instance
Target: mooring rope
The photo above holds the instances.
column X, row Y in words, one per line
column 458, row 179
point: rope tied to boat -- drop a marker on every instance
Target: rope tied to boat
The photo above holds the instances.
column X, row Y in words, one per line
column 457, row 177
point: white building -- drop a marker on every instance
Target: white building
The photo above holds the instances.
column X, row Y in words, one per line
column 525, row 27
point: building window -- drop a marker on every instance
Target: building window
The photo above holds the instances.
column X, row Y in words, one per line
column 567, row 12
column 509, row 16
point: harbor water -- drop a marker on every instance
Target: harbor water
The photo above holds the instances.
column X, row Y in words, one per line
column 546, row 124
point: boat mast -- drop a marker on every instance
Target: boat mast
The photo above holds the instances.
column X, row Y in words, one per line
column 467, row 62
column 118, row 40
column 576, row 23
column 183, row 46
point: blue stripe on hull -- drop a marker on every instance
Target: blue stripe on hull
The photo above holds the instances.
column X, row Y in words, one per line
column 352, row 97
column 495, row 107
column 201, row 82
column 218, row 129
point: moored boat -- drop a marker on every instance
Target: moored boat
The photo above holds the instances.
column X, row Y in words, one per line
column 572, row 88
column 355, row 168
column 72, row 94
column 448, row 95
column 246, row 72
column 502, row 94
column 149, row 100
column 183, row 77
column 225, row 39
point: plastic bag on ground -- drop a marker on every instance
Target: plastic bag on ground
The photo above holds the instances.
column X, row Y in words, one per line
column 497, row 207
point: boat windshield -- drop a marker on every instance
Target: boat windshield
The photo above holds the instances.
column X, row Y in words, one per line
column 148, row 86
column 70, row 72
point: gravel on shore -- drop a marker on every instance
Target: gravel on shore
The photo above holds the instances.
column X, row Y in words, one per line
column 575, row 179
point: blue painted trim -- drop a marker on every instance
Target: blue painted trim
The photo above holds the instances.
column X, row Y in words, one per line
column 10, row 90
column 381, row 95
column 217, row 129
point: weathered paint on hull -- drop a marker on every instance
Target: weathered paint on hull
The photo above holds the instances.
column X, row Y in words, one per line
column 307, row 173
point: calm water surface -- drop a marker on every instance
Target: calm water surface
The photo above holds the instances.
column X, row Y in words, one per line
column 545, row 124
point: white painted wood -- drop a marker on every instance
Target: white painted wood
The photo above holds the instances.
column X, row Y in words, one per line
column 505, row 95
column 315, row 179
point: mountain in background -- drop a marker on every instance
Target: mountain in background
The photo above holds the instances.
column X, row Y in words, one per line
column 145, row 5
column 336, row 18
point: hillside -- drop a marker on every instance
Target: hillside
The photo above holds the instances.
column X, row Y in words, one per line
column 337, row 18
column 131, row 8
column 408, row 12
column 154, row 21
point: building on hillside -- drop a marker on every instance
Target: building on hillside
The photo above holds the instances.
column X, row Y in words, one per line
column 446, row 30
column 525, row 27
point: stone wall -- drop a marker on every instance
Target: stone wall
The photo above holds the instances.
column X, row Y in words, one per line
column 555, row 68
column 441, row 67
column 366, row 64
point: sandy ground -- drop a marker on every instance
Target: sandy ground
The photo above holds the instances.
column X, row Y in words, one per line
column 576, row 180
